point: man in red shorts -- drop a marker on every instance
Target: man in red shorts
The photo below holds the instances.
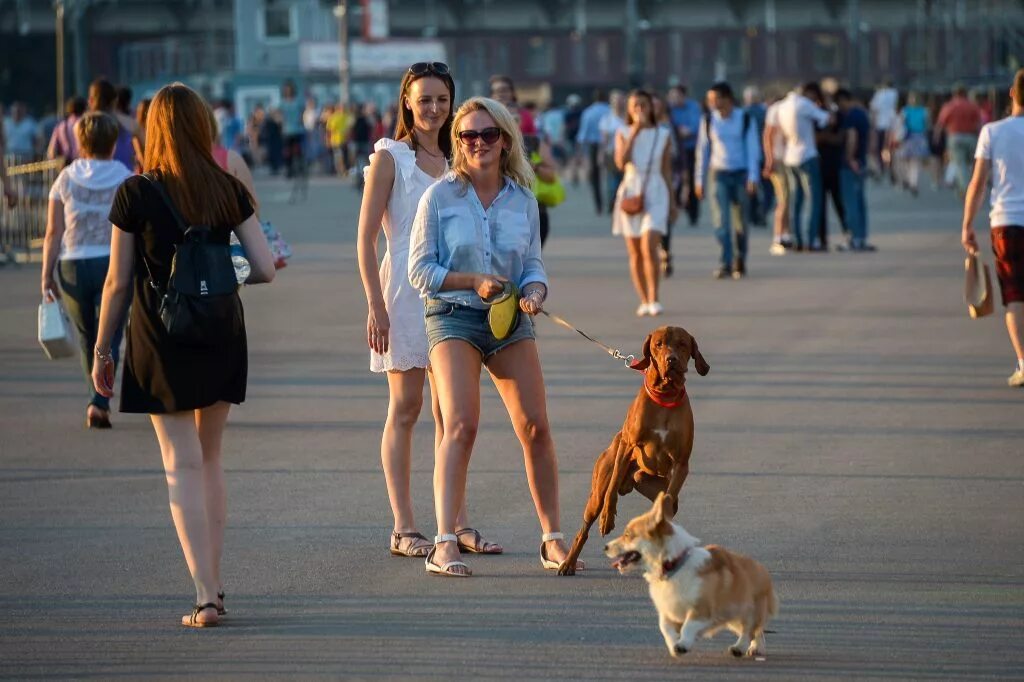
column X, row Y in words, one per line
column 1000, row 156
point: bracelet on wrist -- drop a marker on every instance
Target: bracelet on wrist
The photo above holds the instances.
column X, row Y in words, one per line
column 107, row 355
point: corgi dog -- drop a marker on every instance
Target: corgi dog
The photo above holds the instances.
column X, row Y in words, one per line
column 698, row 591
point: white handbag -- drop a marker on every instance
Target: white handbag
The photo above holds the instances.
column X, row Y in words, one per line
column 55, row 330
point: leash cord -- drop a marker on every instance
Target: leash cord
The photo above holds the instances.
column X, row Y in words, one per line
column 614, row 352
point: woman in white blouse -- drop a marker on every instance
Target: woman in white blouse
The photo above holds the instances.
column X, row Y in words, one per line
column 476, row 231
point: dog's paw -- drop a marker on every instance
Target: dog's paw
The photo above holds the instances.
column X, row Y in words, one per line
column 678, row 650
column 607, row 524
column 736, row 651
column 567, row 568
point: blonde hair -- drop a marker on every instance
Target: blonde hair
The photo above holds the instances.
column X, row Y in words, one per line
column 514, row 164
column 97, row 134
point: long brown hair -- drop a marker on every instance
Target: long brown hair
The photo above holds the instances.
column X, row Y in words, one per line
column 178, row 138
column 645, row 94
column 405, row 127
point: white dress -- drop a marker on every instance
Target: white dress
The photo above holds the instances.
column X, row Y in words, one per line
column 656, row 195
column 407, row 339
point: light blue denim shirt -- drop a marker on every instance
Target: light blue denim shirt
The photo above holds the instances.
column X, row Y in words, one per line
column 453, row 232
column 728, row 149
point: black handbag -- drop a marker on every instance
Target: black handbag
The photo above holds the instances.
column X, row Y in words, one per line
column 199, row 306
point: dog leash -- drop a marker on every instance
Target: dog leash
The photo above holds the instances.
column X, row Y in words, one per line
column 628, row 360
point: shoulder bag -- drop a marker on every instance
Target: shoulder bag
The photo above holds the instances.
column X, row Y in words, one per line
column 635, row 204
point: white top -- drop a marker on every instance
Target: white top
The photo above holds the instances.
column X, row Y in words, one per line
column 798, row 117
column 771, row 118
column 1001, row 143
column 86, row 188
column 407, row 339
column 609, row 125
column 883, row 107
column 648, row 151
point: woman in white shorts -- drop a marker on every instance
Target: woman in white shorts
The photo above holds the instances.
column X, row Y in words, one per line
column 399, row 173
column 643, row 153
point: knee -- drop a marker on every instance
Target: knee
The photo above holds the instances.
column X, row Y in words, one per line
column 404, row 412
column 461, row 432
column 536, row 431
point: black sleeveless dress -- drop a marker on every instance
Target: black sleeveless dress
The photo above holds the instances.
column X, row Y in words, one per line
column 159, row 376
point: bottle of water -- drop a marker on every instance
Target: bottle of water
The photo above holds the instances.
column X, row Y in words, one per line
column 238, row 259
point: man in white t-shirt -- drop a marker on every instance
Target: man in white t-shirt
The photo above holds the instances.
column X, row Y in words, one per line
column 883, row 106
column 799, row 115
column 999, row 157
column 774, row 145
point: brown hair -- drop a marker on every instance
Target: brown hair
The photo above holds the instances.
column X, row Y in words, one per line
column 178, row 139
column 96, row 133
column 404, row 127
column 102, row 95
column 650, row 102
column 1018, row 88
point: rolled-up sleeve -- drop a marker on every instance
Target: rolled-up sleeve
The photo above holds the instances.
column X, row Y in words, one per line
column 533, row 264
column 426, row 274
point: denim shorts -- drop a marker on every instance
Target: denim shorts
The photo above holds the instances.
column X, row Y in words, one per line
column 453, row 321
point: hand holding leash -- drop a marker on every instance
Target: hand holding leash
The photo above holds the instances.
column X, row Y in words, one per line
column 488, row 286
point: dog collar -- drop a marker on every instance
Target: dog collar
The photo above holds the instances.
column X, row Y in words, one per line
column 671, row 566
column 664, row 399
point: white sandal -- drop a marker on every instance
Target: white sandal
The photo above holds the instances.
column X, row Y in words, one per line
column 444, row 569
column 549, row 564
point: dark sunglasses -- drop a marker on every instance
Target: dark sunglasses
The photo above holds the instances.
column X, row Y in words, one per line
column 423, row 68
column 488, row 135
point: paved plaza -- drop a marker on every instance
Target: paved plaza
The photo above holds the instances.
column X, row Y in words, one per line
column 855, row 435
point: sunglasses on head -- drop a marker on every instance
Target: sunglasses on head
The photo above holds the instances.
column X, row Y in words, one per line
column 488, row 135
column 423, row 68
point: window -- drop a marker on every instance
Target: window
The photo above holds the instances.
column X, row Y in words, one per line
column 734, row 52
column 540, row 57
column 828, row 53
column 602, row 56
column 277, row 22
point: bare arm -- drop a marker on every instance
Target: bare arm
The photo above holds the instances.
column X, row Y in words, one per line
column 975, row 196
column 116, row 289
column 379, row 179
column 768, row 144
column 240, row 169
column 51, row 246
column 257, row 251
column 624, row 147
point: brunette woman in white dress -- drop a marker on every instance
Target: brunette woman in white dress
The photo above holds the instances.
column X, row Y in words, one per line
column 400, row 171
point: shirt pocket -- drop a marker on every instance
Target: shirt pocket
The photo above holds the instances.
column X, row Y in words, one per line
column 456, row 227
column 513, row 232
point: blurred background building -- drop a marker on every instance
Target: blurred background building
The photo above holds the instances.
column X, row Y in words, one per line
column 244, row 49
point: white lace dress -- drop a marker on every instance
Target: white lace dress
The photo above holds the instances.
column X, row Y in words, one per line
column 407, row 347
column 649, row 141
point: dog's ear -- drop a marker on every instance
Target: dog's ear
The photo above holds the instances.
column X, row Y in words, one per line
column 698, row 360
column 664, row 508
column 644, row 363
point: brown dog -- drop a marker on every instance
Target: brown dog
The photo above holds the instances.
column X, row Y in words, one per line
column 651, row 454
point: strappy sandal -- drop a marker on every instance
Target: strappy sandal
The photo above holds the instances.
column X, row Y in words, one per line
column 220, row 609
column 479, row 546
column 445, row 569
column 416, row 546
column 551, row 564
column 193, row 620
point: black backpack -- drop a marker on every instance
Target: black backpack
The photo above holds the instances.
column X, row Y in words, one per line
column 199, row 307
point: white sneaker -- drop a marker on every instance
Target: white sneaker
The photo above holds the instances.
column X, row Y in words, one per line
column 643, row 310
column 654, row 309
column 1016, row 379
column 777, row 249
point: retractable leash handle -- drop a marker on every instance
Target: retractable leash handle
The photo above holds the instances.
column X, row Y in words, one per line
column 629, row 361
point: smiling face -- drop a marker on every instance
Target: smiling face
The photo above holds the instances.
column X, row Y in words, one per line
column 480, row 154
column 430, row 103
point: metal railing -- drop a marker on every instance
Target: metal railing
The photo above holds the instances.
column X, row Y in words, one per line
column 23, row 226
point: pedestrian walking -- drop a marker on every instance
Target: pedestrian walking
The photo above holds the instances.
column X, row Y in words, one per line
column 761, row 202
column 588, row 142
column 399, row 173
column 960, row 118
column 339, row 123
column 856, row 132
column 475, row 233
column 729, row 166
column 186, row 389
column 293, row 131
column 799, row 118
column 913, row 149
column 643, row 205
column 504, row 90
column 22, row 134
column 774, row 146
column 883, row 106
column 998, row 159
column 103, row 98
column 610, row 124
column 830, row 140
column 686, row 115
column 63, row 141
column 77, row 244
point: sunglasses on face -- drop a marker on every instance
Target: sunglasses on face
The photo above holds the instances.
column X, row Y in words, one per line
column 423, row 68
column 487, row 135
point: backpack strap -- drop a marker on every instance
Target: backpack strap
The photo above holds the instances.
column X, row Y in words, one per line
column 162, row 191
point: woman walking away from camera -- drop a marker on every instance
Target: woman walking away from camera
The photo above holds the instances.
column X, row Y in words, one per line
column 103, row 97
column 78, row 243
column 914, row 148
column 643, row 153
column 477, row 232
column 399, row 173
column 187, row 389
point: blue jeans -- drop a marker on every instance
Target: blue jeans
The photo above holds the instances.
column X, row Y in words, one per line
column 446, row 321
column 805, row 181
column 851, row 187
column 961, row 154
column 81, row 282
column 730, row 191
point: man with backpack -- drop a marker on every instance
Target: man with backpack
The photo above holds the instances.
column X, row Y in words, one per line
column 728, row 163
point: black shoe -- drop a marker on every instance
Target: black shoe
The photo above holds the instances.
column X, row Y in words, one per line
column 739, row 269
column 721, row 272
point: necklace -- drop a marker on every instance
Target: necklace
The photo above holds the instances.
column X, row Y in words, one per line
column 438, row 155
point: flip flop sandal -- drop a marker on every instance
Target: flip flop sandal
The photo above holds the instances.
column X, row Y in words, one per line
column 445, row 569
column 479, row 546
column 193, row 620
column 412, row 548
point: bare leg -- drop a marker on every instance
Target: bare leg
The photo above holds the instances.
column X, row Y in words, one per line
column 210, row 423
column 636, row 267
column 406, row 400
column 652, row 264
column 1015, row 325
column 456, row 366
column 182, row 455
column 517, row 375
